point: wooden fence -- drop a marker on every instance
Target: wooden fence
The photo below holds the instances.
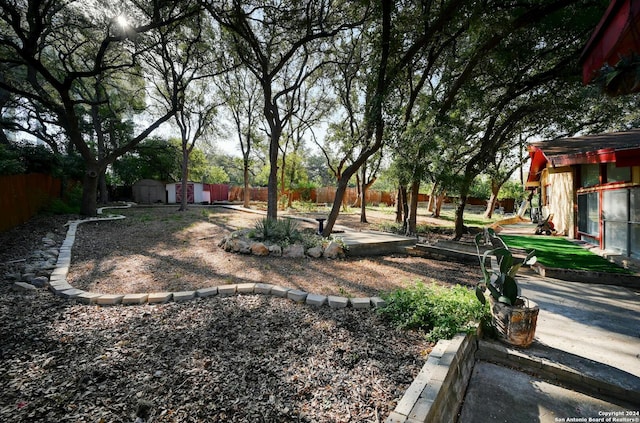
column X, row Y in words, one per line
column 322, row 195
column 22, row 196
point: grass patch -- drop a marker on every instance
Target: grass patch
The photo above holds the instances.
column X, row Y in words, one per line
column 561, row 253
column 471, row 218
column 440, row 311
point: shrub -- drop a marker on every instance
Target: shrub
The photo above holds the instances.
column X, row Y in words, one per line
column 281, row 231
column 70, row 204
column 439, row 311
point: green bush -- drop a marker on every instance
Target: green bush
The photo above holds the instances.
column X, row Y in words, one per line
column 69, row 205
column 279, row 231
column 439, row 311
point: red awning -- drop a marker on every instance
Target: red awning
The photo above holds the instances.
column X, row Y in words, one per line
column 616, row 36
column 538, row 163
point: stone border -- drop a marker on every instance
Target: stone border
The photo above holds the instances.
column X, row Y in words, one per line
column 439, row 389
column 59, row 286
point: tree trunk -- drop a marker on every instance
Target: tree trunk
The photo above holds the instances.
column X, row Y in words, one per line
column 363, row 195
column 412, row 221
column 246, row 197
column 102, row 186
column 438, row 205
column 90, row 190
column 400, row 204
column 491, row 204
column 272, row 185
column 459, row 224
column 432, row 198
column 335, row 208
column 185, row 176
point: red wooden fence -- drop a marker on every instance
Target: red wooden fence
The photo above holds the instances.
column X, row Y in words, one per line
column 22, row 196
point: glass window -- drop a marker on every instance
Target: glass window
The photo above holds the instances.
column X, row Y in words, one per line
column 635, row 241
column 615, row 207
column 618, row 174
column 590, row 175
column 634, row 205
column 588, row 213
column 615, row 236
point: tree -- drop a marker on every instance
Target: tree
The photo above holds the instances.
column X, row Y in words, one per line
column 239, row 89
column 499, row 171
column 281, row 43
column 185, row 67
column 53, row 50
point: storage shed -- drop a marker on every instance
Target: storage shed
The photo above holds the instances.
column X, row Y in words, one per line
column 195, row 193
column 149, row 191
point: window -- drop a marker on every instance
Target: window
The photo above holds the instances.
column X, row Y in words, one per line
column 615, row 213
column 590, row 175
column 588, row 213
column 618, row 174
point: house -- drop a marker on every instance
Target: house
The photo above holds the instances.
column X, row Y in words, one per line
column 591, row 185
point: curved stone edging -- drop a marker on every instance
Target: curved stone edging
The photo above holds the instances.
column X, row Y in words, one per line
column 59, row 286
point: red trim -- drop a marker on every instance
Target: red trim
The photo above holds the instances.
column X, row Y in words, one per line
column 628, row 157
column 614, row 37
column 538, row 163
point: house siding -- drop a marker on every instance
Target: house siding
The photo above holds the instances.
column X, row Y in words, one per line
column 557, row 185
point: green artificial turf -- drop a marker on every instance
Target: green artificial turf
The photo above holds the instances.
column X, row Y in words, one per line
column 560, row 253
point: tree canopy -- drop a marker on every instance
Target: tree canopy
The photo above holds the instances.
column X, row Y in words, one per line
column 438, row 92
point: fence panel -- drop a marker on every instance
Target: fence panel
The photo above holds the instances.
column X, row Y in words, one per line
column 22, row 196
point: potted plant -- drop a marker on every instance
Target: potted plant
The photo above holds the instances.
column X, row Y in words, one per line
column 513, row 316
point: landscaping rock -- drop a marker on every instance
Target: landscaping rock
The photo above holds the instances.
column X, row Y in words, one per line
column 316, row 300
column 24, row 285
column 360, row 303
column 39, row 281
column 259, row 249
column 297, row 295
column 293, row 251
column 159, row 297
column 337, row 302
column 315, row 252
column 275, row 250
column 333, row 250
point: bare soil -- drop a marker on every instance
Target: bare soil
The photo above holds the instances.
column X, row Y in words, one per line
column 160, row 249
column 248, row 358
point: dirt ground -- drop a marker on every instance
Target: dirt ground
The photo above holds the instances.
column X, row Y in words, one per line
column 249, row 358
column 160, row 249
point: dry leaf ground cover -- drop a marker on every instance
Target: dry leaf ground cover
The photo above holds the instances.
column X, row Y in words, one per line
column 159, row 249
column 239, row 359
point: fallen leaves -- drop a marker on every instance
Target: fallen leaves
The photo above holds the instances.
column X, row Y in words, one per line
column 240, row 359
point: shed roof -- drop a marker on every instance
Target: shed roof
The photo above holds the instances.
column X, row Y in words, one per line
column 622, row 148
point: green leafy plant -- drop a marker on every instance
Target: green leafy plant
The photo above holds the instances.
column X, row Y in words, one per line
column 440, row 311
column 499, row 277
column 279, row 231
column 69, row 205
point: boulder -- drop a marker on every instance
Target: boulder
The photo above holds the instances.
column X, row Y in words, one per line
column 315, row 252
column 275, row 250
column 39, row 281
column 294, row 251
column 333, row 250
column 259, row 249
